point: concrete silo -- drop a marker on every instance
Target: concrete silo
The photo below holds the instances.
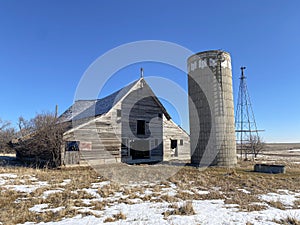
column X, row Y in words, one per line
column 211, row 109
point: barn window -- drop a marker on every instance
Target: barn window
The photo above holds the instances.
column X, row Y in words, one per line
column 118, row 112
column 159, row 115
column 181, row 142
column 72, row 146
column 141, row 125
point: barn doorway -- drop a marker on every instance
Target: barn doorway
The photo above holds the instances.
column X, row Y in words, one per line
column 174, row 147
column 140, row 149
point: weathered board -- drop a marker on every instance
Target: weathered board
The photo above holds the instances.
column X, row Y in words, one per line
column 71, row 158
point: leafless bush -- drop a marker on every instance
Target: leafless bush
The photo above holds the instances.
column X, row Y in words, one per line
column 254, row 146
column 257, row 144
column 7, row 133
column 42, row 138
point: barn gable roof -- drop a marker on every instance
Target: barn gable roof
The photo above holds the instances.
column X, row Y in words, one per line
column 83, row 109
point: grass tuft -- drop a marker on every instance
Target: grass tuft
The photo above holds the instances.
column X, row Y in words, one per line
column 115, row 217
column 288, row 221
column 185, row 210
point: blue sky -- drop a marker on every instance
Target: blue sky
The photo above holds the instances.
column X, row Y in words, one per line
column 46, row 46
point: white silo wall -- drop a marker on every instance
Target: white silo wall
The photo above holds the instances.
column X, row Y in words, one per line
column 211, row 109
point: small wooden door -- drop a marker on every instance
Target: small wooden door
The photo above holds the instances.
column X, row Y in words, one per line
column 72, row 154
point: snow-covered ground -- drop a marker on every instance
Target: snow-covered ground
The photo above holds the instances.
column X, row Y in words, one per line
column 143, row 207
column 207, row 212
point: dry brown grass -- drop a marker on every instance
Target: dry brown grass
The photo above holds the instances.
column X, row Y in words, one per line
column 185, row 210
column 296, row 204
column 98, row 205
column 288, row 221
column 276, row 204
column 245, row 201
column 18, row 203
column 115, row 217
column 248, row 223
column 221, row 184
column 109, row 190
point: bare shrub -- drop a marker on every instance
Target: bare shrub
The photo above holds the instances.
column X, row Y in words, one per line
column 253, row 146
column 7, row 133
column 42, row 138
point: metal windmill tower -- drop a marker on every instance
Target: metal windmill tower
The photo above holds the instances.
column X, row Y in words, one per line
column 246, row 129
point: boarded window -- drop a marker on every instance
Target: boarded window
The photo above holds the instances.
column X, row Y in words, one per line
column 181, row 142
column 72, row 146
column 141, row 127
column 118, row 112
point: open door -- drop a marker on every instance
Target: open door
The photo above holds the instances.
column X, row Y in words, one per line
column 140, row 149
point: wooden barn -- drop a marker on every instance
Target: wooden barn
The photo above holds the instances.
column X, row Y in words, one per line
column 130, row 126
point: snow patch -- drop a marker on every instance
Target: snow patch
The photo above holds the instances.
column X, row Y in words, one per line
column 294, row 150
column 100, row 184
column 8, row 175
column 27, row 188
column 92, row 191
column 23, row 188
column 65, row 182
column 244, row 191
column 203, row 192
column 38, row 208
column 286, row 199
column 42, row 208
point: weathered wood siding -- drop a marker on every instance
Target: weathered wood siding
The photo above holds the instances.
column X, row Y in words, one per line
column 101, row 135
column 140, row 105
column 71, row 158
column 172, row 131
